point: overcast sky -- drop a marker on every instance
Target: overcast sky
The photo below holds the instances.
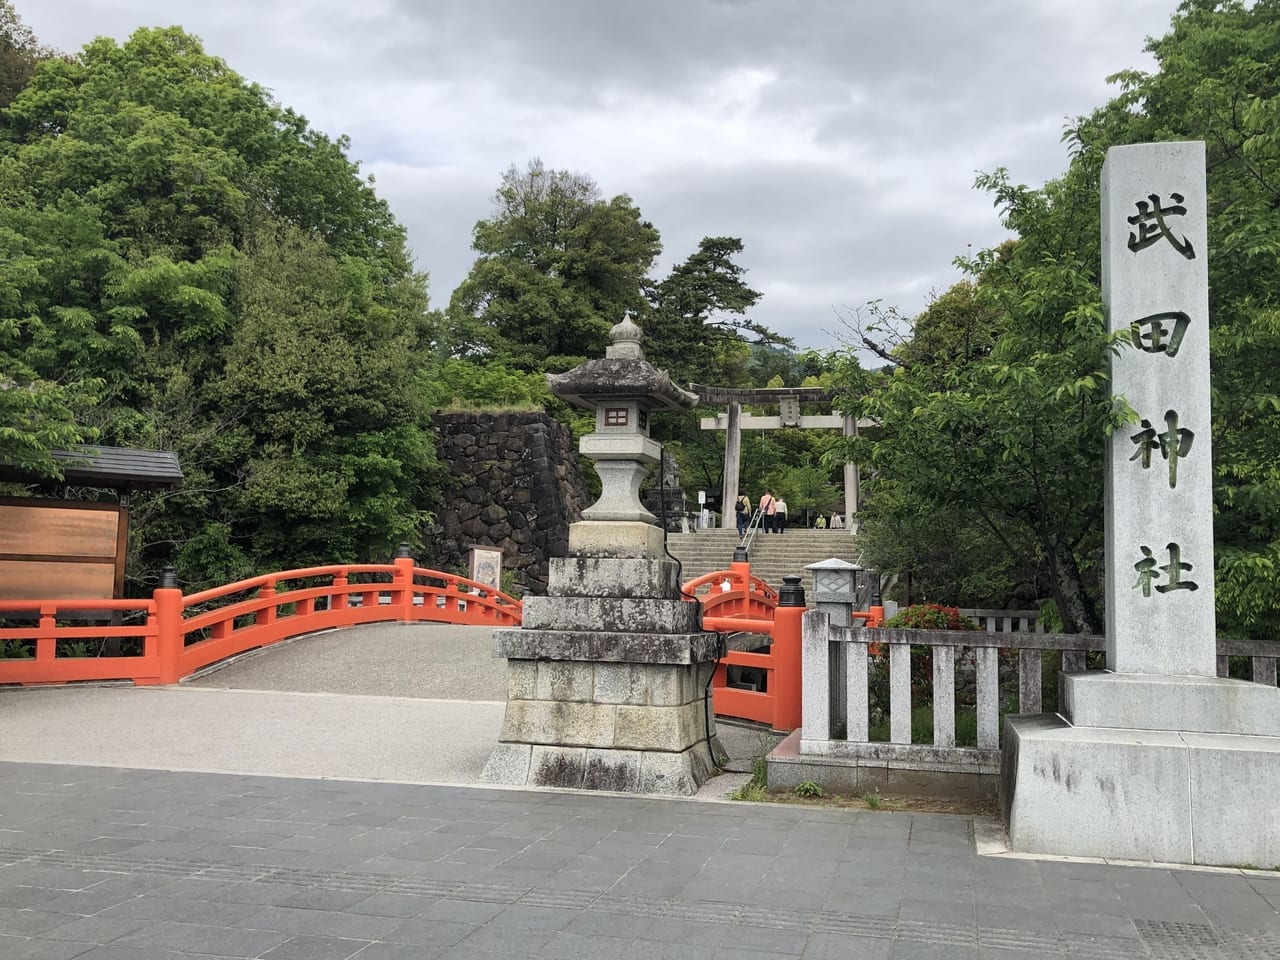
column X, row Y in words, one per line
column 838, row 138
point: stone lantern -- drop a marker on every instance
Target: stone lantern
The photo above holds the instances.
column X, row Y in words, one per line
column 608, row 675
column 835, row 588
column 622, row 389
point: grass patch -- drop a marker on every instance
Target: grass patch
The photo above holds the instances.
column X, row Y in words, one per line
column 757, row 788
column 922, row 726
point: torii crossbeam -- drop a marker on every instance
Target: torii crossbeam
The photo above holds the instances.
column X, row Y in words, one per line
column 788, row 400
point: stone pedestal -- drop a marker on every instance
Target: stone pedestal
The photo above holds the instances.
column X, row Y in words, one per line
column 607, row 682
column 1165, row 795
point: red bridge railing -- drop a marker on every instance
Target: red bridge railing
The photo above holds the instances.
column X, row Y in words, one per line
column 173, row 635
column 735, row 601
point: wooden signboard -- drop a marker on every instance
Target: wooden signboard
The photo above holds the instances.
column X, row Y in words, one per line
column 61, row 549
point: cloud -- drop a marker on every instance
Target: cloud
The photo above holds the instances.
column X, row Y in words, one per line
column 838, row 140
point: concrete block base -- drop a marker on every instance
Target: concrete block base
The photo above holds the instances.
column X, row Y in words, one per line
column 585, row 768
column 615, row 539
column 842, row 767
column 1135, row 701
column 607, row 680
column 605, row 725
column 1154, row 795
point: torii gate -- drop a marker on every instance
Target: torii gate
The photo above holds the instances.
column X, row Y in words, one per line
column 788, row 399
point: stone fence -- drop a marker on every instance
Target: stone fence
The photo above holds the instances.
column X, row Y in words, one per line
column 843, row 672
column 1005, row 621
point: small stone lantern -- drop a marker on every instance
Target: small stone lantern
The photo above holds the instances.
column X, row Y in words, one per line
column 835, row 588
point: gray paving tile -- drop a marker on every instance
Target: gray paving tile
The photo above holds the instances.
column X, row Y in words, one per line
column 431, row 933
column 398, row 905
column 400, row 951
column 95, row 929
column 507, row 940
column 674, row 930
column 198, row 938
column 522, row 917
column 212, row 912
column 567, row 945
column 326, row 923
column 913, row 950
column 128, row 953
column 21, row 948
column 826, row 946
column 1102, row 925
column 307, row 947
column 601, row 922
column 655, row 950
column 28, row 922
column 941, row 911
column 1000, row 953
column 746, row 937
column 1012, row 916
column 319, row 898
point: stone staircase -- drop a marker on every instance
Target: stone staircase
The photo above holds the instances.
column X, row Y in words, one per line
column 772, row 556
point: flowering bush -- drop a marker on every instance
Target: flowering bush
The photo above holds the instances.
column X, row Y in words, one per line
column 931, row 616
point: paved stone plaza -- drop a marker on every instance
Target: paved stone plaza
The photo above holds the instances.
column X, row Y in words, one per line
column 112, row 864
column 104, row 861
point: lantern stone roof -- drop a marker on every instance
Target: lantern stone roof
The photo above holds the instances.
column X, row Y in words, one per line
column 622, row 374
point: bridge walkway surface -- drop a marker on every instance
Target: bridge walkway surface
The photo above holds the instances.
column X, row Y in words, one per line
column 233, row 816
column 414, row 702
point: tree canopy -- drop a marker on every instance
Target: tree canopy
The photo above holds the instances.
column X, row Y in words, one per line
column 219, row 280
column 1041, row 387
column 559, row 265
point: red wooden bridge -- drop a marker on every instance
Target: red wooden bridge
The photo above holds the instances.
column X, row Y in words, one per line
column 172, row 635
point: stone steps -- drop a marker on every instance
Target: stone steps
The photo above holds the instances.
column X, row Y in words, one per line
column 772, row 556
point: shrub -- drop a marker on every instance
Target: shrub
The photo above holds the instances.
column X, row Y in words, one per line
column 930, row 616
column 925, row 616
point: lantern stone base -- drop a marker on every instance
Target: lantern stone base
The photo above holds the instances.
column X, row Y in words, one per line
column 614, row 538
column 1170, row 796
column 607, row 682
column 605, row 724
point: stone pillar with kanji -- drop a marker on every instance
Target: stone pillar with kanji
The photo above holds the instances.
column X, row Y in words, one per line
column 1156, row 757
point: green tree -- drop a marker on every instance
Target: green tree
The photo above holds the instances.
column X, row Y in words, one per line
column 559, row 265
column 697, row 322
column 20, row 52
column 1000, row 412
column 238, row 291
column 1215, row 79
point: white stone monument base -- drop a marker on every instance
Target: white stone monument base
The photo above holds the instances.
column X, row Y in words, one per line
column 1135, row 701
column 1163, row 796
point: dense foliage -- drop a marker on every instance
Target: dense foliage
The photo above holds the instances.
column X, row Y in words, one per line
column 190, row 267
column 997, row 427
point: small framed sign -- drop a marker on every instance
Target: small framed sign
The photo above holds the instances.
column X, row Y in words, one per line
column 486, row 566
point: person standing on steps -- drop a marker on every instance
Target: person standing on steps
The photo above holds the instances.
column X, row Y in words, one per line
column 768, row 508
column 742, row 512
column 780, row 517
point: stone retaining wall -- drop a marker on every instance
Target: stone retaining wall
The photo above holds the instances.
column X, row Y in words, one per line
column 513, row 483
